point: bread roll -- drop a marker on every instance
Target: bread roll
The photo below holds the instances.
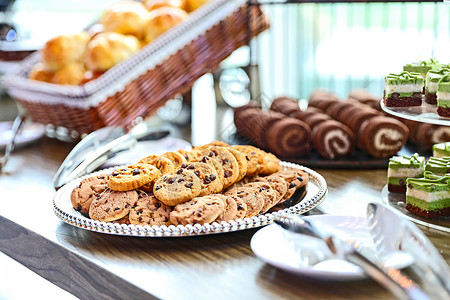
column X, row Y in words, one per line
column 64, row 49
column 162, row 19
column 194, row 4
column 71, row 74
column 154, row 4
column 109, row 48
column 127, row 17
column 41, row 73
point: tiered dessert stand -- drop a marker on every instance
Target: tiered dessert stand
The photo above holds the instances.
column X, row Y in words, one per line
column 425, row 113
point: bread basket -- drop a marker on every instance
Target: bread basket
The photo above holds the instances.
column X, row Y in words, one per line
column 138, row 86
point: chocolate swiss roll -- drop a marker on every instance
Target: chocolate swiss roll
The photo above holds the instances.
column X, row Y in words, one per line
column 332, row 139
column 382, row 136
column 315, row 119
column 267, row 120
column 365, row 97
column 249, row 124
column 285, row 105
column 289, row 137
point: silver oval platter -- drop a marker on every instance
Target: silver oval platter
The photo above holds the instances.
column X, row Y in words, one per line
column 316, row 191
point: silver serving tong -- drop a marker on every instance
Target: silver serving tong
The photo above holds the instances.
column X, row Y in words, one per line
column 15, row 129
column 392, row 233
column 348, row 249
column 101, row 145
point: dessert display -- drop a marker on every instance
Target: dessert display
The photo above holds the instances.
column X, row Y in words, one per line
column 211, row 183
column 403, row 167
column 441, row 149
column 431, row 83
column 123, row 29
column 404, row 89
column 438, row 165
column 421, row 67
column 443, row 96
column 428, row 197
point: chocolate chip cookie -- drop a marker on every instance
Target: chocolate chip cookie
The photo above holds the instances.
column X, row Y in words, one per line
column 86, row 191
column 277, row 183
column 112, row 205
column 149, row 211
column 268, row 194
column 207, row 175
column 251, row 197
column 230, row 210
column 132, row 177
column 177, row 187
column 227, row 160
column 199, row 210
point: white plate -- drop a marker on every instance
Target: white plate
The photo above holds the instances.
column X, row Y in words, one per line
column 316, row 193
column 297, row 253
column 29, row 133
column 146, row 148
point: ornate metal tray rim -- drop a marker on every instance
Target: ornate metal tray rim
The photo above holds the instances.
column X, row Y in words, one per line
column 72, row 217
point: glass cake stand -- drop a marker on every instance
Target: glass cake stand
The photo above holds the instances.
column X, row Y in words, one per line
column 426, row 113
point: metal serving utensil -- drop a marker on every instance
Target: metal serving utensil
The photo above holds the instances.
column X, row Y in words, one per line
column 101, row 145
column 394, row 235
column 17, row 125
column 348, row 249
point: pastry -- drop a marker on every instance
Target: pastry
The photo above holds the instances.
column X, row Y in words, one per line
column 438, row 165
column 289, row 138
column 126, row 17
column 177, row 187
column 402, row 167
column 383, row 136
column 441, row 150
column 199, row 210
column 321, row 99
column 332, row 139
column 154, row 4
column 40, row 72
column 86, row 191
column 132, row 177
column 112, row 205
column 107, row 49
column 70, row 74
column 161, row 20
column 428, row 197
column 443, row 96
column 267, row 120
column 63, row 50
column 315, row 119
column 404, row 89
column 421, row 67
column 431, row 83
column 149, row 211
column 192, row 5
column 249, row 124
column 365, row 97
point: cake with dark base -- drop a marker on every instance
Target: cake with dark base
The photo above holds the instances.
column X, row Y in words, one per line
column 438, row 165
column 431, row 82
column 441, row 149
column 403, row 167
column 421, row 67
column 403, row 90
column 428, row 197
column 443, row 96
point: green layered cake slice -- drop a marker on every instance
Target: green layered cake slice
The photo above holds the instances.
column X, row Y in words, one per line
column 431, row 83
column 428, row 197
column 404, row 89
column 422, row 67
column 443, row 96
column 403, row 167
column 438, row 165
column 441, row 150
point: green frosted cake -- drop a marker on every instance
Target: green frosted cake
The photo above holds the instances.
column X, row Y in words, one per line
column 404, row 89
column 441, row 150
column 428, row 197
column 421, row 67
column 402, row 167
column 438, row 165
column 443, row 96
column 431, row 83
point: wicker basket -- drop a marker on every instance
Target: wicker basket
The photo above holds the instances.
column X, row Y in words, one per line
column 138, row 86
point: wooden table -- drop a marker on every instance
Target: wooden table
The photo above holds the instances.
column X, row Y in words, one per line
column 99, row 266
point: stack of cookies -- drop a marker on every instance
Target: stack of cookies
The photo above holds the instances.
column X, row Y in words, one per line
column 211, row 183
